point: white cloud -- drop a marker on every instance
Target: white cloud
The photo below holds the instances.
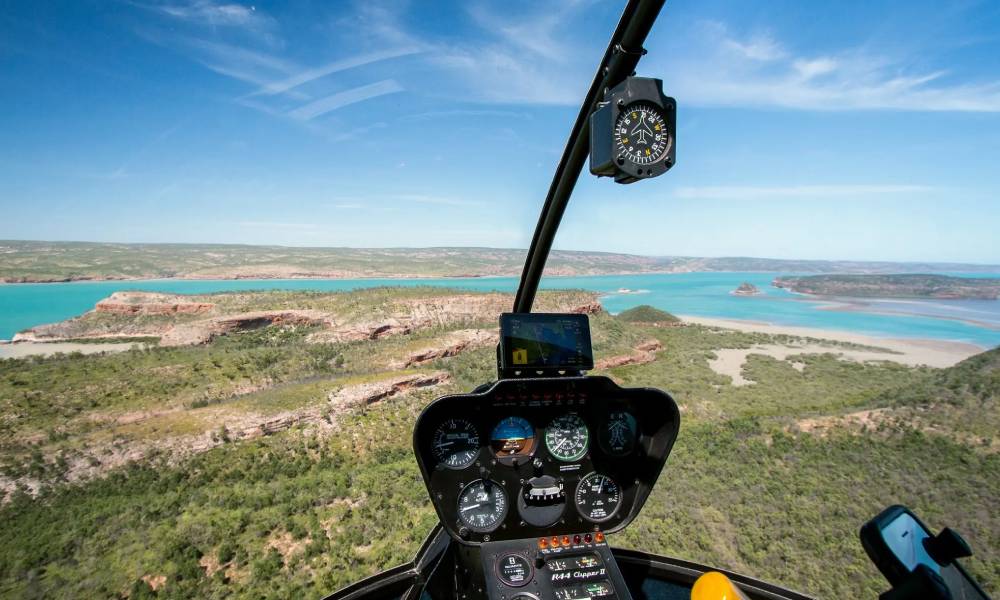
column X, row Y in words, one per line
column 719, row 68
column 795, row 191
column 308, row 75
column 215, row 14
column 344, row 98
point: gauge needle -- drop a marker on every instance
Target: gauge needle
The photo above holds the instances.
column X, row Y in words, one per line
column 470, row 507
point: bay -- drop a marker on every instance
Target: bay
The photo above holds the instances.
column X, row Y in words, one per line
column 695, row 294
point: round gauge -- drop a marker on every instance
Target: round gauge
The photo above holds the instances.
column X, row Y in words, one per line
column 598, row 497
column 618, row 434
column 641, row 135
column 482, row 505
column 566, row 437
column 513, row 436
column 455, row 443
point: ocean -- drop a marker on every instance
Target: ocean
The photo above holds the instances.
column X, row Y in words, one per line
column 696, row 294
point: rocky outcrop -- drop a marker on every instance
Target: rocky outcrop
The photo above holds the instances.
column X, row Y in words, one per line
column 109, row 319
column 746, row 289
column 364, row 394
column 94, row 461
column 148, row 303
column 452, row 344
column 644, row 353
column 202, row 332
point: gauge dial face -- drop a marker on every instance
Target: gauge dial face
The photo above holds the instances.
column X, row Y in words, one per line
column 513, row 436
column 598, row 497
column 455, row 443
column 618, row 434
column 566, row 437
column 641, row 135
column 482, row 505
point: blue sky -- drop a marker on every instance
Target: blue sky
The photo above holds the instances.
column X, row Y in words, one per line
column 846, row 130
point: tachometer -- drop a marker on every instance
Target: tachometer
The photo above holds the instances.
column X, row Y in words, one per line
column 618, row 434
column 513, row 437
column 455, row 443
column 566, row 437
column 482, row 505
column 598, row 497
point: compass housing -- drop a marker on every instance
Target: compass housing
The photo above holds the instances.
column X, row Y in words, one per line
column 613, row 121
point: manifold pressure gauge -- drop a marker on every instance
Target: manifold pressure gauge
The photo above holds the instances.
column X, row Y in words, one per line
column 633, row 131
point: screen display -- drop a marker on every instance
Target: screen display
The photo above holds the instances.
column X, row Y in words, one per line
column 545, row 341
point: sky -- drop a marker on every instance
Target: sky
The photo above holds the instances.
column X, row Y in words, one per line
column 820, row 130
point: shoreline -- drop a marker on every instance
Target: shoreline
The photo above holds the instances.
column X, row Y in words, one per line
column 909, row 351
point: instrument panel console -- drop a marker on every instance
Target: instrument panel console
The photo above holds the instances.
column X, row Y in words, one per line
column 530, row 458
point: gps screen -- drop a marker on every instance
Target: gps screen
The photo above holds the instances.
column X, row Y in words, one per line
column 548, row 341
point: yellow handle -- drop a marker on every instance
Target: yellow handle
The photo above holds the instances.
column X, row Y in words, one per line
column 715, row 586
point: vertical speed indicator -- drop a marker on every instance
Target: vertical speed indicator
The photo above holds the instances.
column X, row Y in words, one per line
column 455, row 443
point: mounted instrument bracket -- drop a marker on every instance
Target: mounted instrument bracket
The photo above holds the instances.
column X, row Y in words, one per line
column 633, row 132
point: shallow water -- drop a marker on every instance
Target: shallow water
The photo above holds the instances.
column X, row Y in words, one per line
column 697, row 294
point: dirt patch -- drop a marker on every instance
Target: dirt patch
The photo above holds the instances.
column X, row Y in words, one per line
column 286, row 545
column 861, row 419
column 155, row 582
column 210, row 563
column 730, row 361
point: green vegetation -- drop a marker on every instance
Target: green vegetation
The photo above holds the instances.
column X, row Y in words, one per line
column 131, row 471
column 911, row 285
column 646, row 314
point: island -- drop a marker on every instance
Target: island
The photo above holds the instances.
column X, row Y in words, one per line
column 942, row 287
column 746, row 289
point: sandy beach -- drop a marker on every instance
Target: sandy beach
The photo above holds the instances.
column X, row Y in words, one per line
column 933, row 353
column 22, row 349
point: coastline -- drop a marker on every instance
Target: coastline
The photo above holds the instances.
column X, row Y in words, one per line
column 912, row 352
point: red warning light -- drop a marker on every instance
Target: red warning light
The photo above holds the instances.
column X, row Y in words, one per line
column 588, row 538
column 576, row 539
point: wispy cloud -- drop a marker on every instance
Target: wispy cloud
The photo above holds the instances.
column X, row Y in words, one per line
column 796, row 191
column 342, row 99
column 308, row 75
column 720, row 68
column 527, row 58
column 214, row 14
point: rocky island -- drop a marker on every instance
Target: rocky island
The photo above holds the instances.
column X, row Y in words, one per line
column 746, row 289
column 942, row 287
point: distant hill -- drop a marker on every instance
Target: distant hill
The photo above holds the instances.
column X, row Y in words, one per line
column 35, row 261
column 893, row 286
column 647, row 314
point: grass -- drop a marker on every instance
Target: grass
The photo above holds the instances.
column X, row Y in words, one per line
column 301, row 513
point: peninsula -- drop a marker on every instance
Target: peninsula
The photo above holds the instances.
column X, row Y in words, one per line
column 910, row 285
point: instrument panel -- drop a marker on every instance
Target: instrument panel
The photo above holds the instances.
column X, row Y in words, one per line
column 546, row 456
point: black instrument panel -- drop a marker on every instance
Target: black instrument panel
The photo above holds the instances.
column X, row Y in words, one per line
column 542, row 457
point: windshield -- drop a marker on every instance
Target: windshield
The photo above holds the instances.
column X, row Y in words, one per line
column 243, row 245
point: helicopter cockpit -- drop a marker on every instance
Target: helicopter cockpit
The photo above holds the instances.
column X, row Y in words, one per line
column 530, row 473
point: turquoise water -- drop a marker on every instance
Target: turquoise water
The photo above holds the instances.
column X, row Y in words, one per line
column 697, row 294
